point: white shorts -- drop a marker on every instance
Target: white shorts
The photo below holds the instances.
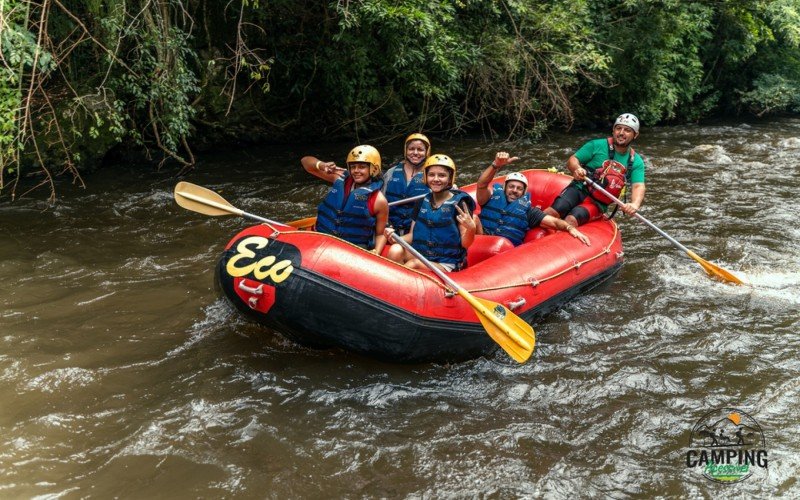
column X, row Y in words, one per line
column 447, row 267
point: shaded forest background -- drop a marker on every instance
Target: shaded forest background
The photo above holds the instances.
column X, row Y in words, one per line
column 82, row 80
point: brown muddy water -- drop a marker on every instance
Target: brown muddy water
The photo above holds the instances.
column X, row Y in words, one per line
column 123, row 374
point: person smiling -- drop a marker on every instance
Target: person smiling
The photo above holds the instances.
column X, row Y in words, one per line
column 442, row 226
column 610, row 162
column 404, row 180
column 506, row 209
column 354, row 209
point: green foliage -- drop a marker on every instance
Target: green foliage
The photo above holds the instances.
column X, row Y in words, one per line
column 784, row 17
column 655, row 47
column 383, row 64
column 155, row 73
column 403, row 54
column 773, row 93
column 19, row 55
column 527, row 70
column 685, row 60
column 159, row 86
column 10, row 98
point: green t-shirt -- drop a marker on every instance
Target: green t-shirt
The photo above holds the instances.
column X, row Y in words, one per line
column 595, row 152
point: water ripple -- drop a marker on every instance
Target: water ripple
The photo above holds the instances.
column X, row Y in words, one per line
column 123, row 373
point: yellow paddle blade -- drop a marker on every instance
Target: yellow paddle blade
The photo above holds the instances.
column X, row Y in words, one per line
column 715, row 271
column 306, row 223
column 511, row 332
column 205, row 201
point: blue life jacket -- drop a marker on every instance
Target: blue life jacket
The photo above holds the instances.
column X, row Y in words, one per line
column 501, row 218
column 348, row 219
column 436, row 232
column 396, row 188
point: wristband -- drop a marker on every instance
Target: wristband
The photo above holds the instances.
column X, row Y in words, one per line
column 494, row 166
column 317, row 164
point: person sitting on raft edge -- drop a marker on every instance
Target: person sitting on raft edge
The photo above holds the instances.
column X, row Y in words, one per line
column 404, row 180
column 442, row 226
column 506, row 210
column 613, row 164
column 354, row 209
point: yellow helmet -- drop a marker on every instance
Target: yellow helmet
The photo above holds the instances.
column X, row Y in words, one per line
column 417, row 137
column 441, row 161
column 366, row 154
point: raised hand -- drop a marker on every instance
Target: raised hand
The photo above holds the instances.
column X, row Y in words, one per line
column 330, row 167
column 502, row 159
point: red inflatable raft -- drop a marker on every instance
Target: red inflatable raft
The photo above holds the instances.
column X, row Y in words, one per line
column 324, row 292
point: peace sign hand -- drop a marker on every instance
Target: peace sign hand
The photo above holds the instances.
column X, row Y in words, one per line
column 330, row 167
column 464, row 218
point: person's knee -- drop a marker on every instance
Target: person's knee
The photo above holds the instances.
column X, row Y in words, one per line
column 395, row 253
column 414, row 264
column 572, row 221
column 560, row 208
column 551, row 212
column 565, row 202
column 578, row 216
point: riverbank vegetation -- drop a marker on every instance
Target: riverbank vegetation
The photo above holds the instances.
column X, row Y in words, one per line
column 81, row 78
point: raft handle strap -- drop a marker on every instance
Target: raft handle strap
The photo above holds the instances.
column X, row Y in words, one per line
column 516, row 304
column 251, row 290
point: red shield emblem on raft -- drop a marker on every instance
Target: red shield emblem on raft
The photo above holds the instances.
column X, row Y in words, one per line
column 258, row 296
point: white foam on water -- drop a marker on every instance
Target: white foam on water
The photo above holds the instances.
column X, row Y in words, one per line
column 201, row 415
column 13, row 371
column 711, row 153
column 59, row 419
column 87, row 302
column 174, row 434
column 782, row 287
column 149, row 264
column 218, row 315
column 378, row 395
column 62, row 378
column 251, row 430
column 789, row 143
column 690, row 278
column 150, row 441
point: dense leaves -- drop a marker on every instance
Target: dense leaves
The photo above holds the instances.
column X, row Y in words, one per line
column 170, row 75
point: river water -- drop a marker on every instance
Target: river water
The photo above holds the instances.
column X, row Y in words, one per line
column 122, row 373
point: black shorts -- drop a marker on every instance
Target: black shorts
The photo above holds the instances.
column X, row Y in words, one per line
column 576, row 202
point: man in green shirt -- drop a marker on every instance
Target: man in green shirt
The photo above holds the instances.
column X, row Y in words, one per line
column 576, row 205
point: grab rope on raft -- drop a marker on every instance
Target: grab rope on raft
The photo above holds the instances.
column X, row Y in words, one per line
column 534, row 282
column 576, row 265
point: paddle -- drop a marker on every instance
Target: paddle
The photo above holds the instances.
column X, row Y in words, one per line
column 711, row 269
column 507, row 329
column 205, row 201
column 511, row 332
column 310, row 221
